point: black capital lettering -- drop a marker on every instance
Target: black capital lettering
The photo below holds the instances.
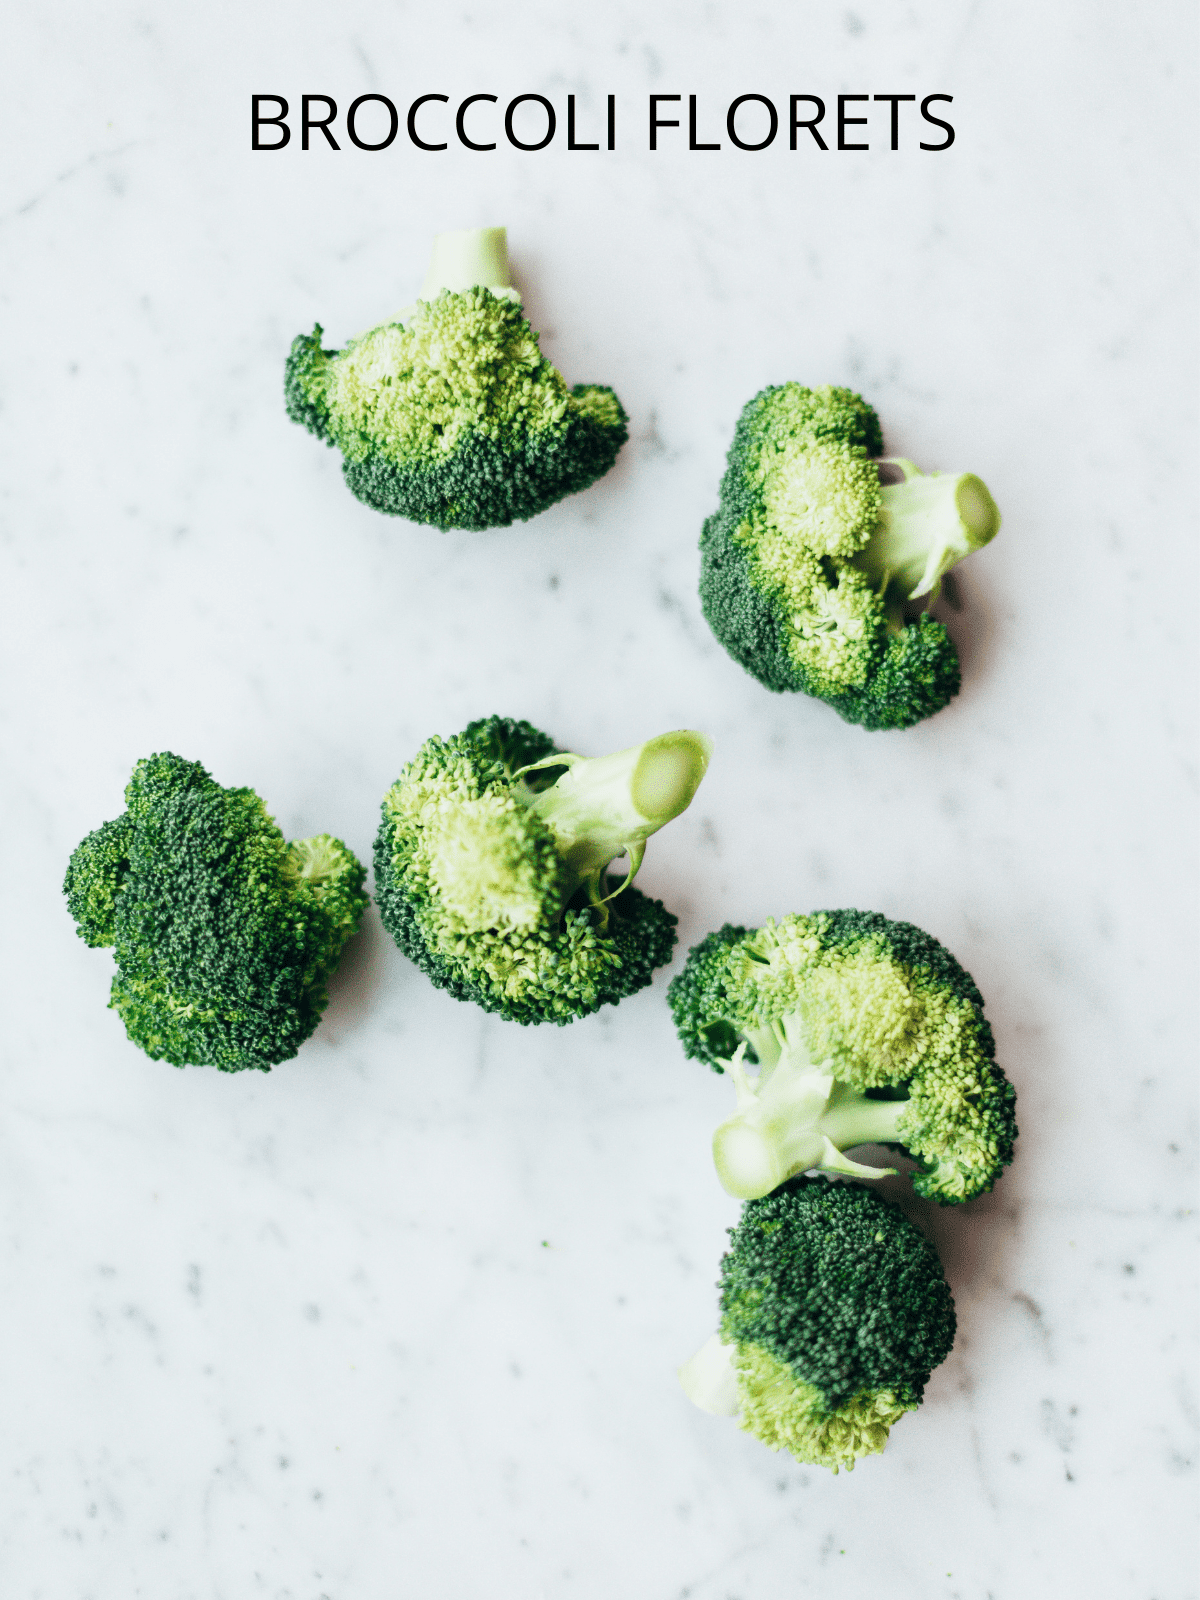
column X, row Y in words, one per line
column 612, row 122
column 937, row 121
column 412, row 120
column 460, row 124
column 508, row 121
column 393, row 121
column 655, row 121
column 692, row 144
column 895, row 101
column 844, row 121
column 731, row 121
column 257, row 121
column 571, row 145
column 811, row 124
column 307, row 123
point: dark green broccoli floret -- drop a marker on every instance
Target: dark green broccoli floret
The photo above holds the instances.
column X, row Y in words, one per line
column 224, row 934
column 834, row 1311
column 449, row 414
column 491, row 858
column 865, row 1031
column 809, row 561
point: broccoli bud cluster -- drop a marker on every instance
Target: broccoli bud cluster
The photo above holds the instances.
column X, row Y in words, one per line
column 834, row 1312
column 864, row 1031
column 491, row 867
column 809, row 562
column 449, row 414
column 494, row 854
column 224, row 934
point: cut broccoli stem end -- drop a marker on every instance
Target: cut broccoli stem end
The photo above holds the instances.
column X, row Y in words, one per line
column 469, row 258
column 796, row 1117
column 603, row 807
column 927, row 525
column 709, row 1378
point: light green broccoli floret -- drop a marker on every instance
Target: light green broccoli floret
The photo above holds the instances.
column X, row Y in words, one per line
column 810, row 561
column 864, row 1031
column 491, row 866
column 464, row 364
column 449, row 413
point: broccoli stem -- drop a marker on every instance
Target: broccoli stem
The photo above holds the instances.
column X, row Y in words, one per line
column 603, row 807
column 469, row 258
column 795, row 1117
column 927, row 525
column 709, row 1378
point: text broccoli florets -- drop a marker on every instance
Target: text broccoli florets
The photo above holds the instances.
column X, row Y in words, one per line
column 865, row 1031
column 809, row 561
column 834, row 1311
column 449, row 414
column 224, row 934
column 490, row 866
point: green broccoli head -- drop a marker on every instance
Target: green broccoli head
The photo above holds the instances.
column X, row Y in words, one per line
column 491, row 858
column 834, row 1311
column 865, row 1031
column 224, row 934
column 809, row 561
column 94, row 878
column 449, row 414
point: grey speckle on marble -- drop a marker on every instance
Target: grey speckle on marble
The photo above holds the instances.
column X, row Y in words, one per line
column 403, row 1317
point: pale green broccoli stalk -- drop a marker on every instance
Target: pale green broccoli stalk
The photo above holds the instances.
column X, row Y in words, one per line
column 224, row 934
column 468, row 258
column 927, row 524
column 449, row 414
column 810, row 561
column 603, row 807
column 865, row 1031
column 491, row 858
column 834, row 1312
column 795, row 1117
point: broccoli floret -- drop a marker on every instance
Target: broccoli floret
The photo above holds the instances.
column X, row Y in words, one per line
column 449, row 414
column 224, row 934
column 491, row 858
column 809, row 562
column 834, row 1311
column 865, row 1031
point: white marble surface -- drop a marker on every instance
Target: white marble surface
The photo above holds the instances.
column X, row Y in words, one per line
column 402, row 1317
